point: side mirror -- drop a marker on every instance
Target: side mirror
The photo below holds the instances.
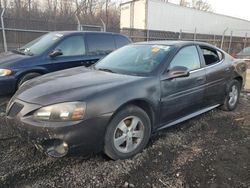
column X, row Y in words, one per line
column 176, row 72
column 55, row 53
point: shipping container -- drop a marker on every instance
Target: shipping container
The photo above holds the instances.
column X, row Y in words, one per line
column 164, row 16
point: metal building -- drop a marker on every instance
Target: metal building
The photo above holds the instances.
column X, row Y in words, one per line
column 164, row 16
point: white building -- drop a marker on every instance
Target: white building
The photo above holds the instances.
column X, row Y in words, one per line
column 163, row 16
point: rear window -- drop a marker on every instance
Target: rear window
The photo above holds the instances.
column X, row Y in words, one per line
column 211, row 56
column 100, row 44
column 121, row 41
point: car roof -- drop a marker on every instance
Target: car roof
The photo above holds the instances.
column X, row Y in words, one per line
column 177, row 43
column 81, row 32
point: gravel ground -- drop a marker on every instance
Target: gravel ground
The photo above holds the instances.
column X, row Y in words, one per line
column 212, row 150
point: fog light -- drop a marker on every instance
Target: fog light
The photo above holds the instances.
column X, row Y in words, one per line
column 56, row 148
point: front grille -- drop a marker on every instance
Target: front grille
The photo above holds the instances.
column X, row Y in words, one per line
column 14, row 109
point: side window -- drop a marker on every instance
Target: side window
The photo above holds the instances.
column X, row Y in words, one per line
column 100, row 44
column 121, row 41
column 211, row 56
column 187, row 57
column 72, row 46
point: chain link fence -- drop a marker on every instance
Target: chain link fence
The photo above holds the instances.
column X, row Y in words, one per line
column 229, row 43
column 18, row 32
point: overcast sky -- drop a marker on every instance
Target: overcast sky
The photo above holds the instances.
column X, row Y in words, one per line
column 238, row 8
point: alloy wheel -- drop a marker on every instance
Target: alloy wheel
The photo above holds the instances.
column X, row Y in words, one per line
column 233, row 95
column 128, row 134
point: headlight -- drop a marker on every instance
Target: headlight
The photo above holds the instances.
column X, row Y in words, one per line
column 70, row 111
column 5, row 72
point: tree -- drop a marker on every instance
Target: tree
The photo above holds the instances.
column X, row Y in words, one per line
column 201, row 5
column 196, row 4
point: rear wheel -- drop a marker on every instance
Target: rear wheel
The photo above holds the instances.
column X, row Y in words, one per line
column 232, row 96
column 128, row 133
column 27, row 77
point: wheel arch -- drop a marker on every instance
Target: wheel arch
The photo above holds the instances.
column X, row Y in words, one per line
column 36, row 70
column 143, row 104
column 239, row 79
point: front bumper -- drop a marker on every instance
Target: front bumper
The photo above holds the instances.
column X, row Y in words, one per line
column 86, row 135
column 7, row 85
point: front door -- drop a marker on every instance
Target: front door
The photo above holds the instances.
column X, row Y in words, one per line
column 73, row 54
column 183, row 96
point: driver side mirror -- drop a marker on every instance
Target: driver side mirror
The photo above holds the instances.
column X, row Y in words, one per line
column 176, row 72
column 55, row 53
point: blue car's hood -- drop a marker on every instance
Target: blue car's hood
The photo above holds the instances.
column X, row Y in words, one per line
column 72, row 84
column 8, row 59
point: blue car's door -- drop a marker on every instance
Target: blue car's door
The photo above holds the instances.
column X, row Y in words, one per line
column 73, row 54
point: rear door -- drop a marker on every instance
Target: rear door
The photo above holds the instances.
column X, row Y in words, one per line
column 183, row 96
column 99, row 45
column 73, row 53
column 217, row 75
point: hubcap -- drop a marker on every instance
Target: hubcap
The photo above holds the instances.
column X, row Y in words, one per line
column 128, row 134
column 233, row 96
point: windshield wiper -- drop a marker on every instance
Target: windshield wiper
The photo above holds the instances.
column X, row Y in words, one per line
column 18, row 52
column 106, row 70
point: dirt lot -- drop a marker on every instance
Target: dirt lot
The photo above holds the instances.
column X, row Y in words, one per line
column 212, row 150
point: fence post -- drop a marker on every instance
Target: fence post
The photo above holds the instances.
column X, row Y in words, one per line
column 180, row 35
column 230, row 42
column 148, row 35
column 3, row 32
column 223, row 36
column 79, row 26
column 195, row 32
column 104, row 29
column 245, row 42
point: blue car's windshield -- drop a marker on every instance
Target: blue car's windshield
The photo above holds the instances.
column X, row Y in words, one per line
column 41, row 44
column 136, row 59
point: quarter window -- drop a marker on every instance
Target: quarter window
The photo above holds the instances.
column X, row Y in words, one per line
column 100, row 44
column 72, row 46
column 121, row 41
column 187, row 57
column 211, row 56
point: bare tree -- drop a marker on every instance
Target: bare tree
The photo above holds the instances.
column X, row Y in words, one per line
column 201, row 5
column 196, row 4
column 184, row 3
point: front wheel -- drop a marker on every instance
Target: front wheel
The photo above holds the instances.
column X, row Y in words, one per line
column 232, row 96
column 128, row 133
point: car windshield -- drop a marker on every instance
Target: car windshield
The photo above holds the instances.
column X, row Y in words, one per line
column 41, row 44
column 136, row 59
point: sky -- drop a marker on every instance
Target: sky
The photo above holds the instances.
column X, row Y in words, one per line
column 238, row 8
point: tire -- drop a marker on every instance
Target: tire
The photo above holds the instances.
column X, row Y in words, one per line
column 27, row 77
column 232, row 96
column 135, row 136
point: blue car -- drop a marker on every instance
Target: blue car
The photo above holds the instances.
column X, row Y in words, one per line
column 53, row 52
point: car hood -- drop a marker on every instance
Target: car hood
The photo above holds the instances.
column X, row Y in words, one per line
column 70, row 85
column 10, row 57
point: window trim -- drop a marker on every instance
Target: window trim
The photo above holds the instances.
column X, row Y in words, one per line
column 190, row 45
column 212, row 49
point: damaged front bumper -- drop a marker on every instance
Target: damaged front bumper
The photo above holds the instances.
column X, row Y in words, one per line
column 57, row 138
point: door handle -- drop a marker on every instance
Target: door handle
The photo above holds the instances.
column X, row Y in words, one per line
column 200, row 79
column 227, row 69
